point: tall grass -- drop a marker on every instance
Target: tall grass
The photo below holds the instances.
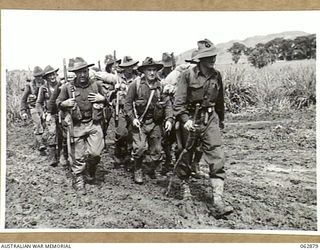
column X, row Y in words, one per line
column 280, row 86
column 15, row 84
column 287, row 85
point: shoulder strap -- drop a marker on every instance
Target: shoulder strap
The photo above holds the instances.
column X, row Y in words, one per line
column 148, row 104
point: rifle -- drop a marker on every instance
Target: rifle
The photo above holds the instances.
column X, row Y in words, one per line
column 68, row 120
column 99, row 65
column 173, row 61
column 116, row 117
column 188, row 146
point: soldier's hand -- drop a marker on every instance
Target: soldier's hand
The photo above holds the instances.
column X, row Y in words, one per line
column 168, row 126
column 189, row 125
column 24, row 116
column 93, row 97
column 136, row 123
column 69, row 103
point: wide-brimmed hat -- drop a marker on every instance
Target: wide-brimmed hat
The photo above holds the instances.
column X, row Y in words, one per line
column 207, row 52
column 191, row 60
column 205, row 43
column 110, row 60
column 167, row 59
column 149, row 62
column 128, row 62
column 79, row 63
column 48, row 70
column 37, row 71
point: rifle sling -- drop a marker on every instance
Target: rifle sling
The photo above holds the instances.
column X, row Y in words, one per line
column 148, row 105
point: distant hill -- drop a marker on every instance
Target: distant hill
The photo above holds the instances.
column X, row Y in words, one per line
column 224, row 57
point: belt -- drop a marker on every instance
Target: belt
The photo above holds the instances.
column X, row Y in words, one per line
column 204, row 114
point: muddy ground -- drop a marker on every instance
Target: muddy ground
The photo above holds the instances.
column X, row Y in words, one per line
column 271, row 183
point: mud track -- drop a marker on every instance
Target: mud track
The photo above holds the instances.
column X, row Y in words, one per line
column 271, row 183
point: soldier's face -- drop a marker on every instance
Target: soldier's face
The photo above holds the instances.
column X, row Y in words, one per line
column 52, row 77
column 150, row 73
column 82, row 75
column 128, row 70
column 208, row 62
column 38, row 79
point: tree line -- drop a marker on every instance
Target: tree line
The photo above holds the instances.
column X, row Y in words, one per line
column 278, row 49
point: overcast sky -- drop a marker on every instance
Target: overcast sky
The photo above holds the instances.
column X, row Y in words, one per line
column 31, row 38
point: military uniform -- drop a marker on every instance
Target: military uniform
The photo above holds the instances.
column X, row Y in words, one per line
column 195, row 88
column 29, row 102
column 147, row 138
column 86, row 119
column 46, row 101
column 123, row 132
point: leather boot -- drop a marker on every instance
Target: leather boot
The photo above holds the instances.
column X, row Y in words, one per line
column 218, row 208
column 195, row 166
column 79, row 184
column 138, row 171
column 91, row 168
column 40, row 144
column 167, row 167
column 154, row 169
column 52, row 156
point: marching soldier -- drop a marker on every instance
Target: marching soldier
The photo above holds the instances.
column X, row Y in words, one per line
column 201, row 86
column 83, row 100
column 168, row 65
column 111, row 64
column 147, row 108
column 54, row 134
column 123, row 138
column 29, row 102
column 168, row 138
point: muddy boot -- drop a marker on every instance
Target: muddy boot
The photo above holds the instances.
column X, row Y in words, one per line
column 79, row 184
column 195, row 166
column 154, row 170
column 52, row 156
column 91, row 168
column 41, row 146
column 138, row 171
column 195, row 170
column 218, row 208
column 186, row 208
column 64, row 158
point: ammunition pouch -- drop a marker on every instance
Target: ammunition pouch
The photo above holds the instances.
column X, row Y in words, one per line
column 140, row 106
column 76, row 114
column 97, row 112
column 159, row 112
column 107, row 113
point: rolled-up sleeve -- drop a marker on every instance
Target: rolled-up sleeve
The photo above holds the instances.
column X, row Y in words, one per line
column 62, row 96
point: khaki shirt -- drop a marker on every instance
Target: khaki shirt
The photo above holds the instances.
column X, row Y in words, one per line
column 193, row 87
